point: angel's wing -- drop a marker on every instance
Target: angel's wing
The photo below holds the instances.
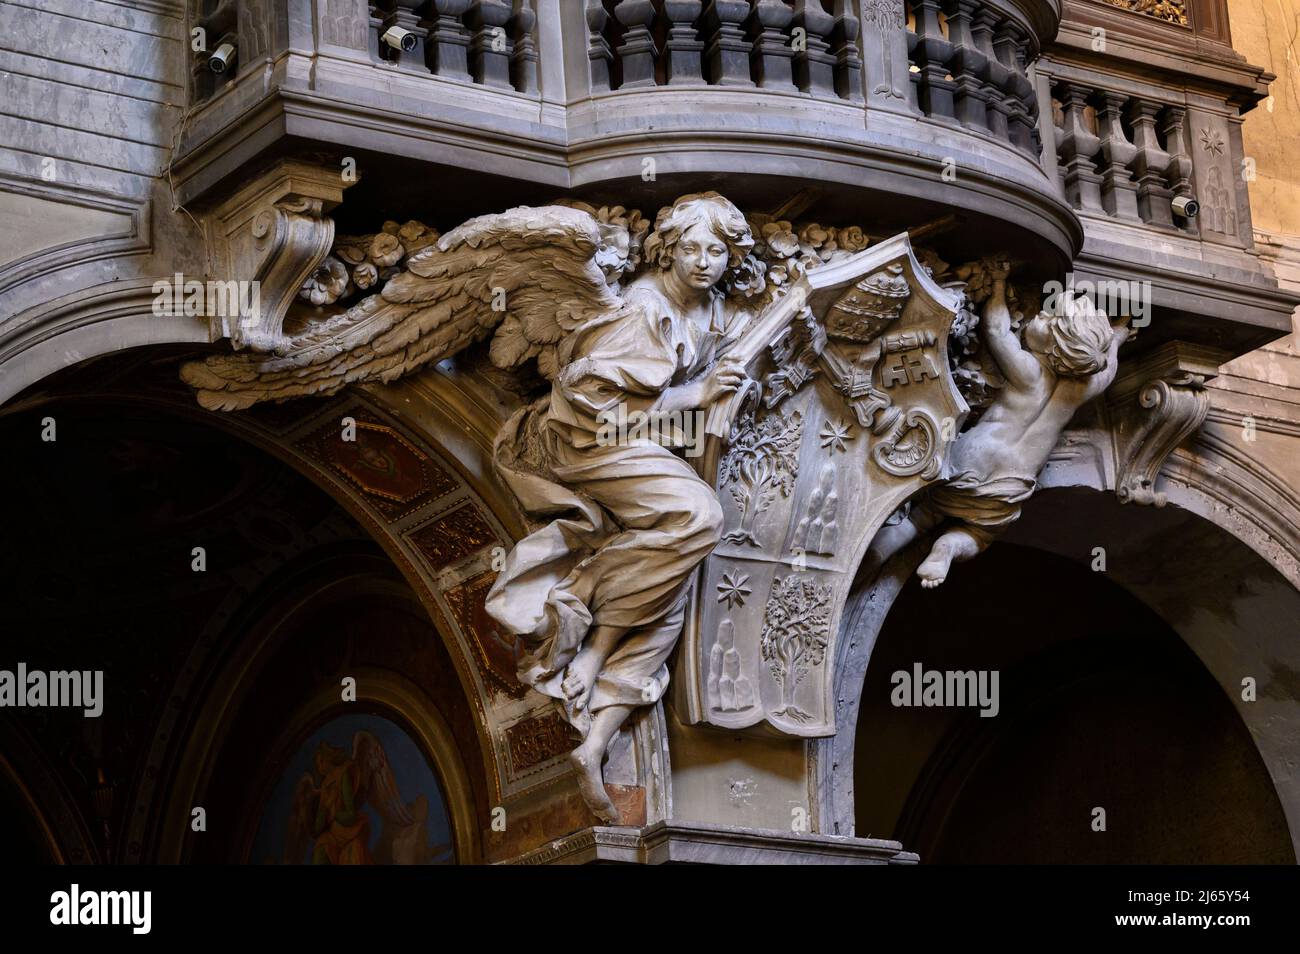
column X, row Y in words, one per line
column 378, row 787
column 529, row 270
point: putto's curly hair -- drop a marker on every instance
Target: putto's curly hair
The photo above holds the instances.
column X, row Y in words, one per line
column 726, row 221
column 1081, row 335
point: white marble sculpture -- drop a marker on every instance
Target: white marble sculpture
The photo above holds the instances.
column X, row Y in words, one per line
column 1069, row 355
column 598, row 593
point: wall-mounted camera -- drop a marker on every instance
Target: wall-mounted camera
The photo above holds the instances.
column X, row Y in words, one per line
column 399, row 39
column 1186, row 207
column 223, row 57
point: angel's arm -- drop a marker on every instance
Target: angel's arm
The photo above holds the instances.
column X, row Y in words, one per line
column 726, row 376
column 1020, row 368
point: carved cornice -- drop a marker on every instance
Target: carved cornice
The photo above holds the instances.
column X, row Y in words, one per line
column 1156, row 405
column 275, row 232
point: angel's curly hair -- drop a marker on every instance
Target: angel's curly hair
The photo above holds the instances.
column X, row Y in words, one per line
column 727, row 222
column 1081, row 336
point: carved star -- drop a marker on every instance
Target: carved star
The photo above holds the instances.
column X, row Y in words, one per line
column 732, row 589
column 835, row 436
column 1212, row 141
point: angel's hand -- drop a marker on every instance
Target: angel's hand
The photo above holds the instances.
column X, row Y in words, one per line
column 728, row 375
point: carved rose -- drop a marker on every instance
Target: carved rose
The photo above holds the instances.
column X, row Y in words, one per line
column 416, row 235
column 365, row 275
column 780, row 239
column 852, row 239
column 386, row 250
column 749, row 279
column 327, row 284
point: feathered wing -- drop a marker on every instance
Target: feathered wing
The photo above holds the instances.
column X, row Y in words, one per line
column 530, row 271
column 378, row 787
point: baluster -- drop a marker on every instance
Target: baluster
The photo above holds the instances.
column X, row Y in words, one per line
column 771, row 60
column 727, row 52
column 1118, row 191
column 1010, row 112
column 637, row 51
column 930, row 53
column 848, row 64
column 682, row 49
column 1179, row 171
column 1076, row 147
column 447, row 49
column 1024, row 117
column 1149, row 165
column 814, row 66
column 489, row 50
column 968, row 66
column 999, row 75
column 600, row 55
column 524, row 60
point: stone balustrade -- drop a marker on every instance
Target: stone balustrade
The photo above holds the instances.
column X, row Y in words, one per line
column 969, row 65
column 1127, row 157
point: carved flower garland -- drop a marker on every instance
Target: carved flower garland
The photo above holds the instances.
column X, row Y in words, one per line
column 360, row 262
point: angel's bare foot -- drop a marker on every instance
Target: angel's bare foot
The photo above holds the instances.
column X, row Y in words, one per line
column 935, row 568
column 592, row 785
column 580, row 676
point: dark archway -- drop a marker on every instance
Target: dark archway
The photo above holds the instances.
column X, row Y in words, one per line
column 149, row 546
column 1101, row 705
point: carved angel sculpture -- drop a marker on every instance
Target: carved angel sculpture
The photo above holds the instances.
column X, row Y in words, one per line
column 598, row 593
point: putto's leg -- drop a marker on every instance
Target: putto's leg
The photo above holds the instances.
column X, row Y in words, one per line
column 888, row 541
column 955, row 545
column 587, row 759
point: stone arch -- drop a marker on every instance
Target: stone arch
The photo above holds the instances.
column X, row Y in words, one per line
column 1066, row 519
column 440, row 529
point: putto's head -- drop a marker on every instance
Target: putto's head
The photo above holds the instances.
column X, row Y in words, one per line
column 1074, row 337
column 701, row 238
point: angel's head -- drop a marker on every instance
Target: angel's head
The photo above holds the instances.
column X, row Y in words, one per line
column 328, row 756
column 702, row 239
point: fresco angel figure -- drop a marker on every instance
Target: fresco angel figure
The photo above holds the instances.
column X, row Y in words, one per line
column 597, row 592
column 328, row 811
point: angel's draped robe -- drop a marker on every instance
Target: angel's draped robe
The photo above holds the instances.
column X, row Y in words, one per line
column 628, row 522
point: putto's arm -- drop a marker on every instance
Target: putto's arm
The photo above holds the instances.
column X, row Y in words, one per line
column 1102, row 380
column 1018, row 365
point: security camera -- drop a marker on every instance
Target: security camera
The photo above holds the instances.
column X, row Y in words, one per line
column 224, row 56
column 399, row 39
column 1186, row 207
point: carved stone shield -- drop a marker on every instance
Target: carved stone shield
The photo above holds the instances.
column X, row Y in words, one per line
column 855, row 415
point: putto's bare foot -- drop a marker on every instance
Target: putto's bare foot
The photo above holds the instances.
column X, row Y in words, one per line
column 935, row 568
column 592, row 785
column 580, row 677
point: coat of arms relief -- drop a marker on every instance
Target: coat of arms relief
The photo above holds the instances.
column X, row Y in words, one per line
column 726, row 412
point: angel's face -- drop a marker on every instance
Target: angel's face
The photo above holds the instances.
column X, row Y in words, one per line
column 700, row 258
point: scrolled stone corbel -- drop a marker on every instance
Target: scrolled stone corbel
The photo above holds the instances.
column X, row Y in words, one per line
column 1155, row 407
column 273, row 232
